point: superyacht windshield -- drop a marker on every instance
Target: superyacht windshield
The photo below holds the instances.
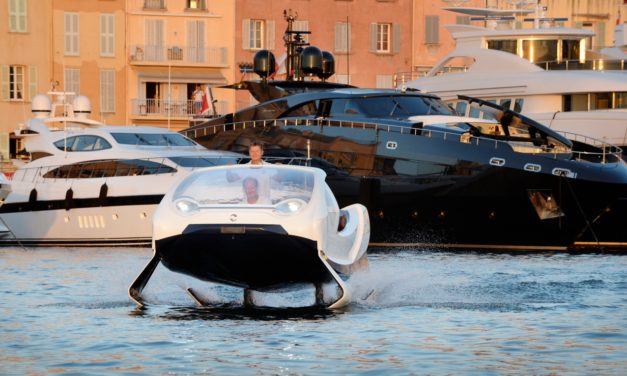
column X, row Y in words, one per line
column 400, row 106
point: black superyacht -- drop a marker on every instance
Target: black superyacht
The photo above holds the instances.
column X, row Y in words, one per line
column 429, row 177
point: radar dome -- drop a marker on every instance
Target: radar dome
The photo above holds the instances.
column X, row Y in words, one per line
column 264, row 63
column 311, row 61
column 41, row 105
column 328, row 65
column 81, row 106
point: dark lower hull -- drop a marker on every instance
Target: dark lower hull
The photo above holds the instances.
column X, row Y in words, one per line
column 248, row 256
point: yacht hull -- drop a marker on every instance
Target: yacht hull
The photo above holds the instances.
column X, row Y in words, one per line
column 259, row 257
column 114, row 225
column 439, row 192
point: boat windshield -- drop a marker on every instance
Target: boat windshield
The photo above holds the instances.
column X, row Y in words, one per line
column 247, row 186
column 152, row 139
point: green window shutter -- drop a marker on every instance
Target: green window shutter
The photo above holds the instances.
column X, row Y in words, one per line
column 32, row 81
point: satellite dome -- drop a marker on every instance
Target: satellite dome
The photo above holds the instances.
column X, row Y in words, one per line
column 81, row 106
column 311, row 61
column 264, row 63
column 41, row 105
column 328, row 65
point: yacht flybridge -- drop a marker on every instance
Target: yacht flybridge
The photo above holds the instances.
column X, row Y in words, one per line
column 546, row 73
column 88, row 183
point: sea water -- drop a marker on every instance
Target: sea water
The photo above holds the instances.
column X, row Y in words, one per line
column 66, row 311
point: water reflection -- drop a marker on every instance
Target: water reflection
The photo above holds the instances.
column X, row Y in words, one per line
column 230, row 311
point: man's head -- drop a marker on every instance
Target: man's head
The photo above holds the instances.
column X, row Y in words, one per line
column 255, row 151
column 250, row 185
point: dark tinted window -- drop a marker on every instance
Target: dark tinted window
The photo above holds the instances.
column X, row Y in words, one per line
column 109, row 168
column 390, row 107
column 83, row 143
column 203, row 161
column 152, row 139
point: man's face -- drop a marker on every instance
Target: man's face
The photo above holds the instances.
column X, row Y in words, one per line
column 250, row 188
column 255, row 152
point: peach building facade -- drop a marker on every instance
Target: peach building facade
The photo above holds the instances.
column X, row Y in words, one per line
column 140, row 61
column 173, row 48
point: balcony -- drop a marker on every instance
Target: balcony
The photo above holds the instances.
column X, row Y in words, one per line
column 162, row 108
column 178, row 55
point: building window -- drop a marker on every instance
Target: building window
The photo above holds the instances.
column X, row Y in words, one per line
column 462, row 20
column 154, row 4
column 384, row 82
column 107, row 35
column 302, row 26
column 385, row 38
column 196, row 4
column 107, row 90
column 15, row 82
column 342, row 37
column 196, row 41
column 72, row 80
column 71, row 29
column 17, row 16
column 257, row 34
column 343, row 79
column 432, row 29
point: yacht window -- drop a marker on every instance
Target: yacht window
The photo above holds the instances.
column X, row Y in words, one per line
column 506, row 103
column 83, row 143
column 570, row 49
column 108, row 168
column 503, row 45
column 305, row 109
column 518, row 104
column 389, row 107
column 203, row 161
column 600, row 101
column 540, row 50
column 460, row 107
column 153, row 139
column 620, row 100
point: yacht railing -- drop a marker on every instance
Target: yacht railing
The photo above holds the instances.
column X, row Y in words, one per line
column 607, row 153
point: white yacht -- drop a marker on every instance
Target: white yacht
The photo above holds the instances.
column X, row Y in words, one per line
column 88, row 183
column 543, row 72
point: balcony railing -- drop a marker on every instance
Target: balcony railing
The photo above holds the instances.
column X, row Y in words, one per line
column 160, row 108
column 180, row 55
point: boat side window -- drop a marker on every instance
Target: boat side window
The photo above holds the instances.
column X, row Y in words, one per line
column 83, row 143
column 503, row 45
column 204, row 161
column 540, row 50
column 304, row 109
column 109, row 168
column 461, row 107
column 620, row 100
column 570, row 49
column 152, row 139
column 518, row 104
column 506, row 103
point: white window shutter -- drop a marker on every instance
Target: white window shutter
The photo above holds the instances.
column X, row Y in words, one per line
column 107, row 90
column 5, row 83
column 32, row 81
column 373, row 38
column 107, row 35
column 396, row 38
column 270, row 35
column 246, row 34
column 22, row 16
